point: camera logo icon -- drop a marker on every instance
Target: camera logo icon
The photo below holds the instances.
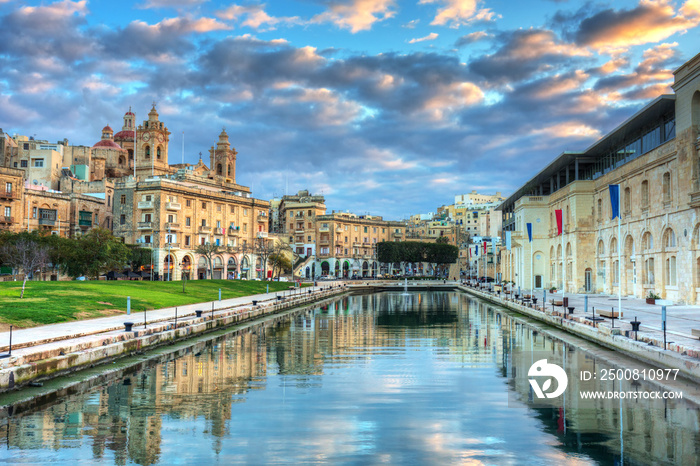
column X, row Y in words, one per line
column 542, row 368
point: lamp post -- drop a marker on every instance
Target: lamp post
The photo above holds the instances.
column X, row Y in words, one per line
column 170, row 264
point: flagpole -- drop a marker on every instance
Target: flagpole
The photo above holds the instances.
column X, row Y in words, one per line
column 532, row 273
column 619, row 259
column 563, row 266
column 135, row 145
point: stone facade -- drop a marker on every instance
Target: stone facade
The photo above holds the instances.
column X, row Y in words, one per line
column 655, row 159
column 12, row 210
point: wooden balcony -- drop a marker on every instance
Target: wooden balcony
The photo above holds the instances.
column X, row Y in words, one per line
column 47, row 221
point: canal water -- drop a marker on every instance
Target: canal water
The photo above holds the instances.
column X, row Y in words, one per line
column 416, row 378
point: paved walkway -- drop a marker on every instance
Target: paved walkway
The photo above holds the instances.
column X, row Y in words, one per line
column 80, row 328
column 680, row 319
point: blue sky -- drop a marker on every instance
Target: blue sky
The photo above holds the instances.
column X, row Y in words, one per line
column 384, row 106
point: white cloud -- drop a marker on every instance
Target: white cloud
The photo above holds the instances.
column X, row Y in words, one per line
column 431, row 36
column 356, row 15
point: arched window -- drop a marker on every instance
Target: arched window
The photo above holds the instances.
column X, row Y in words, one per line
column 601, row 248
column 645, row 193
column 229, row 170
column 666, row 184
column 669, row 238
column 122, row 160
column 647, row 242
column 568, row 250
column 671, row 271
column 613, row 246
column 158, row 153
column 219, row 170
column 148, row 152
column 649, row 271
column 600, row 209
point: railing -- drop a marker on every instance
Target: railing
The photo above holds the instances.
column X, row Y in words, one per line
column 171, row 226
column 324, row 229
column 145, row 226
column 145, row 205
column 47, row 221
column 84, row 223
column 204, row 229
column 172, row 206
column 4, row 219
column 398, row 234
column 262, row 218
column 234, row 230
column 324, row 241
column 262, row 234
column 9, row 195
column 172, row 245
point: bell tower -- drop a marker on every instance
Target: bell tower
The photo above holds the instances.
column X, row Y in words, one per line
column 223, row 159
column 152, row 142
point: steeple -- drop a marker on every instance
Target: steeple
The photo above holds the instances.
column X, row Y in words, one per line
column 223, row 143
column 153, row 114
column 223, row 158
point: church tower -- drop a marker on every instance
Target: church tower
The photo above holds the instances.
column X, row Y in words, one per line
column 223, row 159
column 152, row 151
column 125, row 137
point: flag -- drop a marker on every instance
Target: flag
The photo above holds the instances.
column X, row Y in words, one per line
column 508, row 233
column 529, row 232
column 615, row 199
column 476, row 250
column 484, row 247
column 470, row 253
column 559, row 226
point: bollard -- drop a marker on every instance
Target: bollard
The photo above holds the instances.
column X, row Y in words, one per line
column 9, row 353
column 612, row 320
column 128, row 305
column 144, row 318
column 219, row 294
column 175, row 317
column 663, row 323
column 212, row 310
column 267, row 289
column 198, row 313
column 585, row 303
column 635, row 327
column 544, row 297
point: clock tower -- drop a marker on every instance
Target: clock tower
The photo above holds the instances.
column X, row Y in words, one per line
column 152, row 146
column 223, row 159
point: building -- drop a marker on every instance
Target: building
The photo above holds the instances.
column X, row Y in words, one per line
column 175, row 213
column 655, row 158
column 12, row 211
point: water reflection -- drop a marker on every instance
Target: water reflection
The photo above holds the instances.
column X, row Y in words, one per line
column 425, row 378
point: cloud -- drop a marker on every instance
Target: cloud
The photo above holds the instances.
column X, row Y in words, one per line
column 431, row 36
column 652, row 73
column 172, row 3
column 455, row 13
column 525, row 52
column 356, row 15
column 472, row 37
column 255, row 16
column 411, row 24
column 650, row 21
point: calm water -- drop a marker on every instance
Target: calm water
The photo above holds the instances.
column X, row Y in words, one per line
column 428, row 378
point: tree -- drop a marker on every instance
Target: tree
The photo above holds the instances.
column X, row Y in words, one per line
column 280, row 259
column 138, row 256
column 24, row 252
column 442, row 240
column 263, row 248
column 95, row 253
column 208, row 250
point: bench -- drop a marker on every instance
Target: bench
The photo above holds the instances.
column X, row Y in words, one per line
column 556, row 303
column 695, row 332
column 610, row 314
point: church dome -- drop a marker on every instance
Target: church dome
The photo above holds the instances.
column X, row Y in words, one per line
column 107, row 129
column 127, row 135
column 107, row 144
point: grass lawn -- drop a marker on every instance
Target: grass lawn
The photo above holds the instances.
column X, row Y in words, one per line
column 53, row 302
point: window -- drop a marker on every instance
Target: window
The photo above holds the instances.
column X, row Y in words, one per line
column 34, row 212
column 645, row 193
column 616, row 272
column 600, row 209
column 122, row 199
column 245, row 212
column 309, row 213
column 204, row 222
column 670, row 239
column 649, row 271
column 38, row 163
column 146, row 217
column 245, row 228
column 8, row 212
column 188, row 202
column 147, row 239
column 365, row 229
column 666, row 184
column 26, row 146
column 122, row 219
column 8, row 187
column 233, row 210
column 309, row 238
column 148, row 198
column 647, row 242
column 23, row 163
column 171, row 218
column 627, row 200
column 109, row 201
column 188, row 221
column 671, row 271
column 218, row 224
column 204, row 206
column 218, row 207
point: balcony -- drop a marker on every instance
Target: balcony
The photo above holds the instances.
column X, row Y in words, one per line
column 262, row 234
column 324, row 241
column 324, row 229
column 204, row 229
column 171, row 206
column 262, row 217
column 171, row 245
column 299, row 230
column 234, row 230
column 398, row 234
column 171, row 226
column 84, row 223
column 144, row 226
column 6, row 220
column 218, row 231
column 47, row 221
column 9, row 195
column 145, row 205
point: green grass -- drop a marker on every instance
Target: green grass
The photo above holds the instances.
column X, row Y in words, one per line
column 53, row 302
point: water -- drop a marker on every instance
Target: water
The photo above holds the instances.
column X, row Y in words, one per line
column 429, row 378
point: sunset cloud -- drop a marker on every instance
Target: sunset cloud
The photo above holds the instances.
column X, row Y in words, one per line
column 431, row 36
column 455, row 13
column 255, row 16
column 356, row 15
column 650, row 21
column 472, row 37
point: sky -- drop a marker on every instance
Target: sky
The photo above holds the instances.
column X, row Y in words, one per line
column 386, row 107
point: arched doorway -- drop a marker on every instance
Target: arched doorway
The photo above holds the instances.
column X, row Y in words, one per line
column 346, row 269
column 325, row 268
column 231, row 268
column 218, row 272
column 202, row 268
column 337, row 269
column 258, row 268
column 308, row 272
column 186, row 267
column 365, row 269
column 245, row 267
column 168, row 267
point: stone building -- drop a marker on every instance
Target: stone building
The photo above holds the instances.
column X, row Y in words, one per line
column 655, row 158
column 12, row 211
column 174, row 214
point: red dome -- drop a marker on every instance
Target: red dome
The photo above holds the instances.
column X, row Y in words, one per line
column 107, row 128
column 108, row 144
column 129, row 113
column 125, row 135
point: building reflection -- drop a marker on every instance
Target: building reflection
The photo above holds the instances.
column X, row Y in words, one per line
column 123, row 421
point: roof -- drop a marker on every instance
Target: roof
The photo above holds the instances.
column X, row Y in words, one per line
column 107, row 128
column 125, row 135
column 107, row 144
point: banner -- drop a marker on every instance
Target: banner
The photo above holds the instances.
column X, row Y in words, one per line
column 615, row 199
column 476, row 250
column 484, row 247
column 529, row 232
column 508, row 233
column 559, row 225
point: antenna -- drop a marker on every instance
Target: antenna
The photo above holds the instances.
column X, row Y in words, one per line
column 183, row 147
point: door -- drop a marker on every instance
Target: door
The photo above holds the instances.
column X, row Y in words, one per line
column 588, row 279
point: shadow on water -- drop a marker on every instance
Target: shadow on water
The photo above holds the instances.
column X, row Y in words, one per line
column 429, row 378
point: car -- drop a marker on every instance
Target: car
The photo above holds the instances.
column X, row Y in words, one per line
column 282, row 279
